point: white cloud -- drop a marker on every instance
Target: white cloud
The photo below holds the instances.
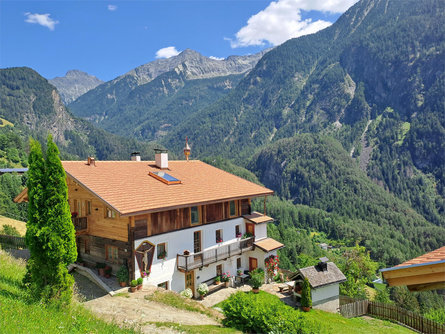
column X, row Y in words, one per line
column 42, row 19
column 112, row 8
column 281, row 20
column 216, row 58
column 167, row 52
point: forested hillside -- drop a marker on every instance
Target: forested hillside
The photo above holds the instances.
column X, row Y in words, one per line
column 33, row 107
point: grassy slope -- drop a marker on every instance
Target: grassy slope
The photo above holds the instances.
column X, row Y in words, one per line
column 335, row 323
column 19, row 225
column 19, row 315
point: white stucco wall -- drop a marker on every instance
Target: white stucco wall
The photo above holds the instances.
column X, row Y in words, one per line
column 178, row 241
column 260, row 231
column 326, row 298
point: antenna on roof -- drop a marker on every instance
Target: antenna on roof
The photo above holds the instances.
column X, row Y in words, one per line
column 187, row 149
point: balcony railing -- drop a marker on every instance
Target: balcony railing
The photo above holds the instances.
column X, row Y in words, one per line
column 197, row 260
column 80, row 223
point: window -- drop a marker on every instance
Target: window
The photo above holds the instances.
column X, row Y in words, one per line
column 162, row 251
column 111, row 253
column 197, row 241
column 194, row 215
column 87, row 246
column 110, row 213
column 88, row 207
column 232, row 208
column 219, row 270
column 238, row 263
column 238, row 231
column 163, row 285
column 219, row 236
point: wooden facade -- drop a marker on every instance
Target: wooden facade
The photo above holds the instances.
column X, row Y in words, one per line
column 109, row 238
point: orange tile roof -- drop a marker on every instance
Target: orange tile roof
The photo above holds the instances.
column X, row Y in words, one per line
column 268, row 244
column 258, row 218
column 127, row 187
column 434, row 256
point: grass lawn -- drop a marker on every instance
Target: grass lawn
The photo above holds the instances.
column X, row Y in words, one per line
column 19, row 315
column 174, row 300
column 335, row 323
column 19, row 225
column 197, row 329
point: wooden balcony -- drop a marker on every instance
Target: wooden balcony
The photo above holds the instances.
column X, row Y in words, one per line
column 220, row 253
column 80, row 224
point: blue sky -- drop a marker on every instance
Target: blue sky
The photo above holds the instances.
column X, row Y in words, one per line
column 109, row 38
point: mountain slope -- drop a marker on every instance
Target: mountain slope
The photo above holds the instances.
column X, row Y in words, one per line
column 35, row 109
column 315, row 170
column 74, row 84
column 149, row 100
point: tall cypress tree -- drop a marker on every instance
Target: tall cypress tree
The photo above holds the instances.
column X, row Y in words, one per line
column 52, row 236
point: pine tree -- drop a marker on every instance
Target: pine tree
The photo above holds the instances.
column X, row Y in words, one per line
column 51, row 236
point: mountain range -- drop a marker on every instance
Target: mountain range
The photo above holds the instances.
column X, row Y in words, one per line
column 74, row 84
column 347, row 125
column 150, row 100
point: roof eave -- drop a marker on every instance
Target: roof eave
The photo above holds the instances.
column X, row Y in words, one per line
column 411, row 266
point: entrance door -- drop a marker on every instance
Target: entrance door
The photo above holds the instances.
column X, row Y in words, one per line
column 253, row 263
column 190, row 281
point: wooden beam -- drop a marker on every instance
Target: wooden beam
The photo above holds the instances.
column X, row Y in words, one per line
column 414, row 271
column 265, row 205
column 414, row 280
column 426, row 287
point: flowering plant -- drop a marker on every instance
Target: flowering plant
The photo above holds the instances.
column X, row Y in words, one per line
column 238, row 235
column 225, row 277
column 145, row 273
column 74, row 214
column 203, row 289
column 272, row 265
column 219, row 240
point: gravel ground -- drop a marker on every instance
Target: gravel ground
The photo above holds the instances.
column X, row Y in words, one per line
column 85, row 289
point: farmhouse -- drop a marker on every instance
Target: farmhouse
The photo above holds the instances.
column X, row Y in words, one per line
column 426, row 272
column 179, row 223
column 325, row 279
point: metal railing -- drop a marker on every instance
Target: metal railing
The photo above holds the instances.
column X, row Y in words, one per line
column 80, row 223
column 197, row 260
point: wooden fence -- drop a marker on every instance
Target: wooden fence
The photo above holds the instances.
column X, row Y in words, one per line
column 9, row 241
column 350, row 307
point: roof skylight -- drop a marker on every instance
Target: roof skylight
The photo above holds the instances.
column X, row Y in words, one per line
column 164, row 177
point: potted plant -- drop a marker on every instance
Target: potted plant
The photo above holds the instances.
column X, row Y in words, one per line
column 306, row 298
column 108, row 270
column 162, row 255
column 219, row 240
column 133, row 285
column 238, row 235
column 226, row 279
column 140, row 280
column 239, row 272
column 256, row 280
column 186, row 252
column 73, row 214
column 247, row 235
column 101, row 268
column 122, row 276
column 187, row 293
column 203, row 289
column 217, row 280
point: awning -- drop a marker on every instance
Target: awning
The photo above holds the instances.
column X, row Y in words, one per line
column 268, row 244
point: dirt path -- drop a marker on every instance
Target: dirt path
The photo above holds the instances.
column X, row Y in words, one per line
column 134, row 310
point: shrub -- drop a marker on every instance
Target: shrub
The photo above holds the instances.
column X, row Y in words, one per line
column 306, row 298
column 10, row 230
column 140, row 280
column 264, row 313
column 134, row 283
column 203, row 289
column 437, row 315
column 256, row 278
column 187, row 293
column 122, row 274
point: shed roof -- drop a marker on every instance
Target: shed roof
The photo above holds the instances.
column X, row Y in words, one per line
column 318, row 278
column 258, row 218
column 268, row 244
column 127, row 187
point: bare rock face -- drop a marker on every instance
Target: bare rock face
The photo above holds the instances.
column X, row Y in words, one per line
column 74, row 84
column 197, row 66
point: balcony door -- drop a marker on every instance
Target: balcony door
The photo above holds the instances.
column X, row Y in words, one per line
column 197, row 243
